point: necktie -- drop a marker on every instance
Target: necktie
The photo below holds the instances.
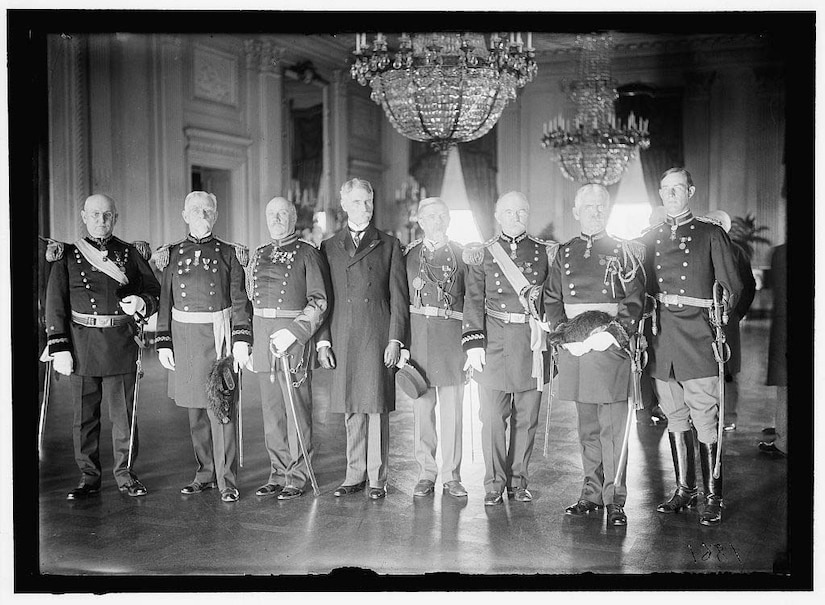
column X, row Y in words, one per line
column 356, row 237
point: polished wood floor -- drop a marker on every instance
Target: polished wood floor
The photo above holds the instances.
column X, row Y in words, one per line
column 168, row 533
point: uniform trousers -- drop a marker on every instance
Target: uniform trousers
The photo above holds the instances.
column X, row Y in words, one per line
column 601, row 433
column 507, row 466
column 731, row 397
column 88, row 393
column 215, row 446
column 287, row 464
column 450, row 406
column 690, row 402
column 368, row 447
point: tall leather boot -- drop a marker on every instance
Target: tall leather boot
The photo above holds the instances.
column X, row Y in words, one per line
column 684, row 463
column 712, row 515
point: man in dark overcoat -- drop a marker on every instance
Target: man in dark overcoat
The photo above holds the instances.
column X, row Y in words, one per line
column 597, row 272
column 361, row 341
column 505, row 345
column 287, row 284
column 435, row 277
column 96, row 287
column 685, row 255
column 203, row 317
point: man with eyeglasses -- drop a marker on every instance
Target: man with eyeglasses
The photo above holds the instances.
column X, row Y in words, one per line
column 98, row 287
column 505, row 345
column 685, row 256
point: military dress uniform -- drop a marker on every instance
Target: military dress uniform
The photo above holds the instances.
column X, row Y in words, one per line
column 83, row 316
column 435, row 276
column 684, row 256
column 496, row 319
column 287, row 284
column 203, row 311
column 597, row 273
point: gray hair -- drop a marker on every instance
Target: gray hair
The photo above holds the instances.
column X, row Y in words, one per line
column 516, row 194
column 356, row 183
column 293, row 211
column 591, row 189
column 429, row 201
column 201, row 194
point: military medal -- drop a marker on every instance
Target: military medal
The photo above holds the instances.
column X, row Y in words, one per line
column 418, row 283
column 673, row 229
column 188, row 262
column 197, row 257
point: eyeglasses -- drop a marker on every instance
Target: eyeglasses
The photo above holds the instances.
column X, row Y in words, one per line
column 678, row 189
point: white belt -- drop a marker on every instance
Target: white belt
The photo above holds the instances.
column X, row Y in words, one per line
column 197, row 317
column 678, row 299
column 573, row 309
column 429, row 311
column 221, row 326
column 508, row 318
column 275, row 313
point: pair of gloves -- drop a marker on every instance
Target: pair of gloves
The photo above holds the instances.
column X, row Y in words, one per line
column 64, row 363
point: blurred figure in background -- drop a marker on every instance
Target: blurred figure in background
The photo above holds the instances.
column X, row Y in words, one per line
column 777, row 355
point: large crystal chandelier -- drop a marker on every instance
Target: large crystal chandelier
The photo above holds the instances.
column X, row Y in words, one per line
column 444, row 88
column 595, row 147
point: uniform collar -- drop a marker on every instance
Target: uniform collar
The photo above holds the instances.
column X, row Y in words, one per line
column 201, row 240
column 289, row 239
column 680, row 219
column 99, row 242
column 433, row 245
column 513, row 240
column 592, row 238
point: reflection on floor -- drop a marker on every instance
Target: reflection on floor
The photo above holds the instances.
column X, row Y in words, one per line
column 168, row 533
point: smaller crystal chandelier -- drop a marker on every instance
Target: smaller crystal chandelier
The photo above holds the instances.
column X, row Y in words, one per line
column 595, row 147
column 444, row 88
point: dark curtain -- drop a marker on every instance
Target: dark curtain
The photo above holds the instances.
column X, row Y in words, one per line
column 307, row 147
column 479, row 167
column 663, row 107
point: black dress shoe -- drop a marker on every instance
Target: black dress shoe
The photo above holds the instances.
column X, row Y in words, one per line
column 270, row 489
column 230, row 494
column 678, row 501
column 770, row 448
column 615, row 515
column 346, row 490
column 83, row 491
column 290, row 492
column 769, row 430
column 522, row 494
column 492, row 498
column 582, row 507
column 197, row 487
column 134, row 489
column 376, row 493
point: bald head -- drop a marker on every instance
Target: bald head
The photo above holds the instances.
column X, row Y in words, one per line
column 99, row 214
column 512, row 212
column 200, row 211
column 281, row 217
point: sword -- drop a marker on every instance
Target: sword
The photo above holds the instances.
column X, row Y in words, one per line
column 549, row 401
column 240, row 416
column 468, row 381
column 139, row 322
column 44, row 406
column 638, row 360
column 721, row 351
column 284, row 357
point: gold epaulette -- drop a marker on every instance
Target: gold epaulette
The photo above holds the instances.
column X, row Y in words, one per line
column 634, row 249
column 161, row 256
column 54, row 249
column 412, row 245
column 712, row 221
column 143, row 248
column 473, row 253
column 550, row 247
column 241, row 251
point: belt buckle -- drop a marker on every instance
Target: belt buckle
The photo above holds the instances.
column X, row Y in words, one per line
column 671, row 299
column 448, row 313
column 506, row 317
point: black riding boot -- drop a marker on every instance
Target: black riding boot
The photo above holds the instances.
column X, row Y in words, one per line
column 681, row 446
column 712, row 515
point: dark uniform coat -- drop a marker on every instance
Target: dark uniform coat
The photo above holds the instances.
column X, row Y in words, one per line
column 509, row 359
column 370, row 307
column 75, row 285
column 684, row 257
column 199, row 275
column 435, row 342
column 596, row 270
column 743, row 265
column 288, row 275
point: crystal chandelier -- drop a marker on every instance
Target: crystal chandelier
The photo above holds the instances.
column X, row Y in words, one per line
column 595, row 147
column 444, row 88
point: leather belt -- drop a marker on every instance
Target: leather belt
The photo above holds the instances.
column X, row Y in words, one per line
column 429, row 311
column 571, row 310
column 508, row 318
column 275, row 313
column 196, row 317
column 100, row 321
column 678, row 299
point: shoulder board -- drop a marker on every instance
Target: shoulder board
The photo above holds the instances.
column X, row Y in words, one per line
column 411, row 245
column 54, row 250
column 647, row 230
column 634, row 249
column 706, row 219
column 457, row 245
column 143, row 248
column 241, row 251
column 161, row 256
column 545, row 242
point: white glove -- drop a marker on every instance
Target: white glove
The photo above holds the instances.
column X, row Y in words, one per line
column 283, row 339
column 403, row 359
column 133, row 304
column 476, row 358
column 240, row 351
column 167, row 358
column 63, row 363
column 600, row 341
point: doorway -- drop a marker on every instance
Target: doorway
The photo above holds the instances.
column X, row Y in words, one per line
column 218, row 182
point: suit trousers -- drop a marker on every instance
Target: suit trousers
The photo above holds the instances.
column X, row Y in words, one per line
column 731, row 398
column 503, row 465
column 287, row 464
column 368, row 447
column 88, row 393
column 689, row 402
column 450, row 406
column 215, row 446
column 601, row 433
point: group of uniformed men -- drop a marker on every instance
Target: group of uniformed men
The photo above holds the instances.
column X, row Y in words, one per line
column 361, row 307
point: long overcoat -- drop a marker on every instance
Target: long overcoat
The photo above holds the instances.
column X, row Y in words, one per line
column 370, row 306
